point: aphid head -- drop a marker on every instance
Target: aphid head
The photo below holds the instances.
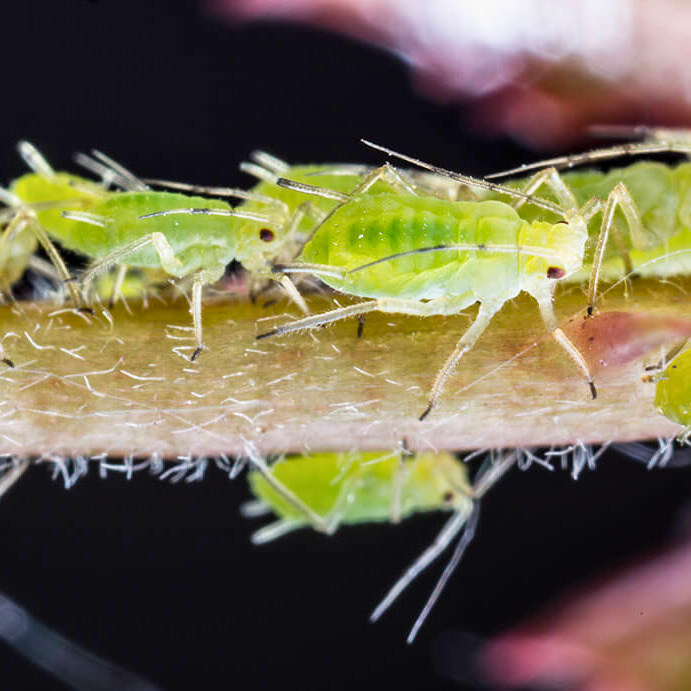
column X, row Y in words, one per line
column 557, row 250
column 445, row 479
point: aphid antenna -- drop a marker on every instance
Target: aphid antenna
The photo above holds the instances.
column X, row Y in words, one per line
column 137, row 183
column 465, row 539
column 452, row 527
column 108, row 175
column 34, row 159
column 205, row 211
column 218, row 191
column 604, row 154
column 313, row 190
column 470, row 181
column 267, row 161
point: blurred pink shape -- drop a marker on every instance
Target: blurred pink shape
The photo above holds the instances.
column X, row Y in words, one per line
column 631, row 632
column 539, row 70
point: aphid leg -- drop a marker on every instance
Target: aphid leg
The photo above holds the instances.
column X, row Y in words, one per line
column 22, row 220
column 666, row 358
column 484, row 317
column 272, row 163
column 551, row 179
column 196, row 312
column 279, row 528
column 170, row 263
column 618, row 197
column 544, row 301
column 388, row 174
column 11, row 476
column 293, row 292
column 34, row 159
column 116, row 293
column 399, row 481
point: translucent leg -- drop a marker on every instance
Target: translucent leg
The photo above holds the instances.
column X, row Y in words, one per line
column 311, row 517
column 116, row 293
column 12, row 475
column 34, row 159
column 23, row 219
column 544, row 301
column 551, row 179
column 439, row 306
column 399, row 481
column 618, row 197
column 169, row 262
column 468, row 340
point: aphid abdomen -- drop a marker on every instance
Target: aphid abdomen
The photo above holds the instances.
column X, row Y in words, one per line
column 198, row 241
column 368, row 228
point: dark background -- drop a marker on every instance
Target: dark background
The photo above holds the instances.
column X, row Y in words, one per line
column 162, row 579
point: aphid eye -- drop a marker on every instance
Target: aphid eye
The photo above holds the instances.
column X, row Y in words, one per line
column 448, row 497
column 555, row 272
column 266, row 235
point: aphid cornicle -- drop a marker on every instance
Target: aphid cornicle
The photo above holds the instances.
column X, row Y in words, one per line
column 327, row 490
column 673, row 393
column 425, row 256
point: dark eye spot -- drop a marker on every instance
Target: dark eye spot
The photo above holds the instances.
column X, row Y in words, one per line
column 555, row 272
column 448, row 497
column 267, row 235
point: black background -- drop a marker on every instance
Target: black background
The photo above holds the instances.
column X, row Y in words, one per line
column 162, row 579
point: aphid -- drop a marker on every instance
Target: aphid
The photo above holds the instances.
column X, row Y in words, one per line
column 673, row 393
column 35, row 202
column 425, row 256
column 327, row 490
column 133, row 229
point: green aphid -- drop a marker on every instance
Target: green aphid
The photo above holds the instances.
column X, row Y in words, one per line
column 327, row 490
column 36, row 201
column 673, row 393
column 422, row 256
column 646, row 206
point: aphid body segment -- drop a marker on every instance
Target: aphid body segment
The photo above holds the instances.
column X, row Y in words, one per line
column 673, row 393
column 349, row 488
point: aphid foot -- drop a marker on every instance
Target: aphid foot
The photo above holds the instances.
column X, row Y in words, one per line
column 360, row 325
column 85, row 310
column 593, row 390
column 428, row 410
column 8, row 362
column 273, row 332
column 196, row 353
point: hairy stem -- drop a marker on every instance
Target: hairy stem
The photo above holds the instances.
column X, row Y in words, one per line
column 84, row 387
